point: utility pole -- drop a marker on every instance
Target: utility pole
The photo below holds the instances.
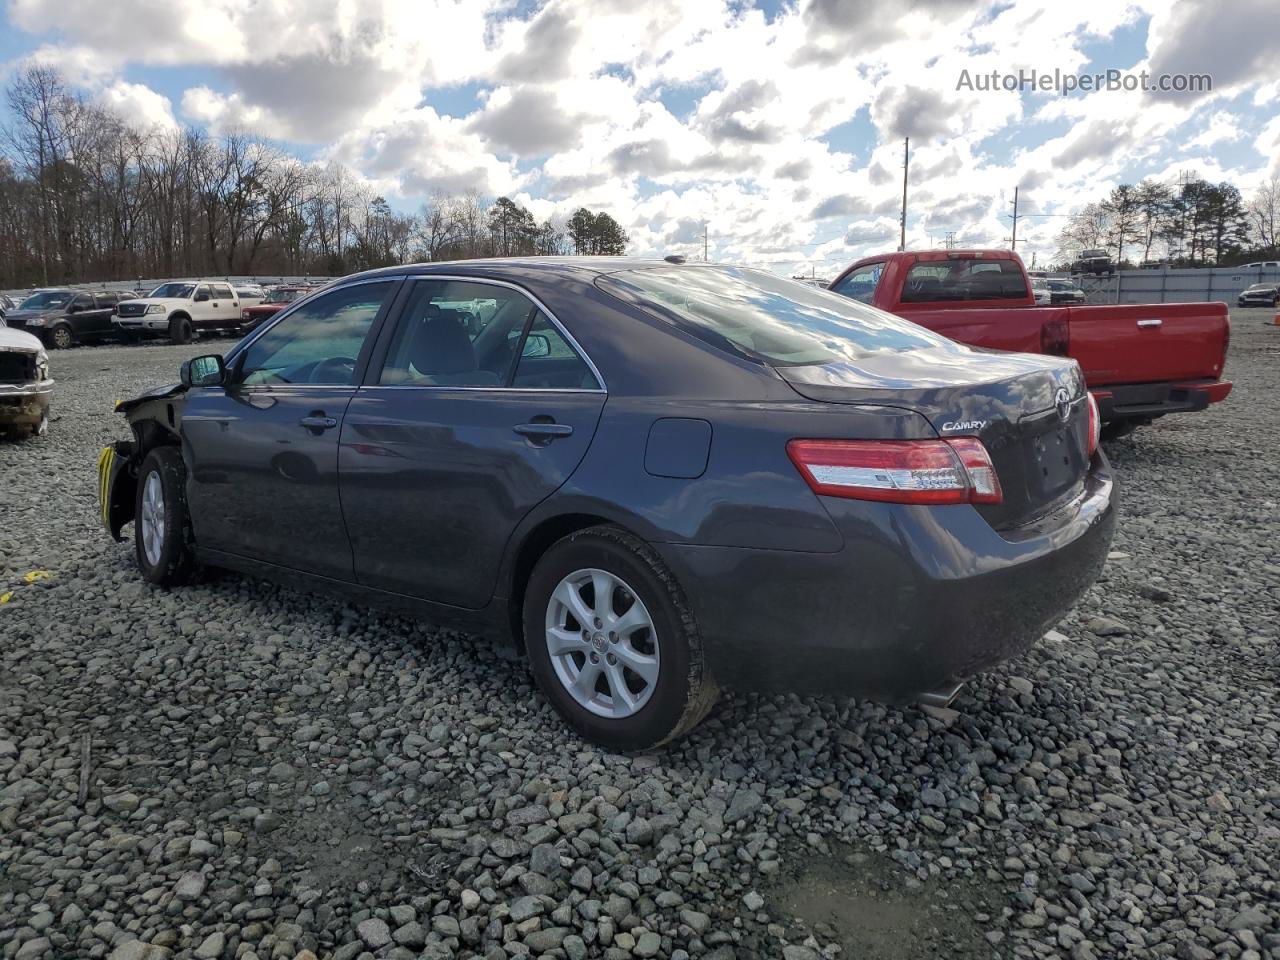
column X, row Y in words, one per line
column 906, row 162
column 1013, row 243
column 705, row 258
column 950, row 242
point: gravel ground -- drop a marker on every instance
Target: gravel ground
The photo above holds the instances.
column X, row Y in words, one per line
column 275, row 775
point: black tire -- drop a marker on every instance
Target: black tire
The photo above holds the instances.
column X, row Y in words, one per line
column 180, row 330
column 174, row 564
column 61, row 337
column 1115, row 429
column 684, row 691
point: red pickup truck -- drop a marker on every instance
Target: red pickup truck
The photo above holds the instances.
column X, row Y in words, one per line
column 1141, row 361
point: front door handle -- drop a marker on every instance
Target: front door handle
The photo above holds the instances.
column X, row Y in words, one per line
column 318, row 421
column 543, row 432
column 1150, row 323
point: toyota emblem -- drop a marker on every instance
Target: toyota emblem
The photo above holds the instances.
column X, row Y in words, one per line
column 1062, row 400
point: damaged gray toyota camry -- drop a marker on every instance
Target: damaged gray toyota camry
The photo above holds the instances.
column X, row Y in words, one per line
column 655, row 479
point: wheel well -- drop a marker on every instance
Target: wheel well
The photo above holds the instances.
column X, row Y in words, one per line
column 179, row 315
column 535, row 544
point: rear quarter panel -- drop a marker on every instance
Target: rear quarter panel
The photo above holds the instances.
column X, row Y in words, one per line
column 1189, row 342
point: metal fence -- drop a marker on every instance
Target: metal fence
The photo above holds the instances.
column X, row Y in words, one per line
column 1176, row 286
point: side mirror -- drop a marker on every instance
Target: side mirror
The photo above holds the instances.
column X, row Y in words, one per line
column 206, row 371
column 536, row 346
column 74, row 308
column 202, row 296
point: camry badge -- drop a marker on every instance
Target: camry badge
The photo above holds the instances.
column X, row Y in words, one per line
column 1062, row 400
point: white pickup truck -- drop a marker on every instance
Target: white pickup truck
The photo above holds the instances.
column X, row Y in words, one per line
column 179, row 309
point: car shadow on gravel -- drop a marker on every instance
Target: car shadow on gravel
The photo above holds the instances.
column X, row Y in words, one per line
column 863, row 901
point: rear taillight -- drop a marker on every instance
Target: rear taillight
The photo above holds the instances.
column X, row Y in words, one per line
column 958, row 470
column 1095, row 423
column 1055, row 337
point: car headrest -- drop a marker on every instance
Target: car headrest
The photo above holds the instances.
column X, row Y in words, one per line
column 440, row 344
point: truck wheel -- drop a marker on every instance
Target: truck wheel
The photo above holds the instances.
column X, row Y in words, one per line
column 162, row 537
column 1115, row 429
column 61, row 337
column 612, row 641
column 180, row 330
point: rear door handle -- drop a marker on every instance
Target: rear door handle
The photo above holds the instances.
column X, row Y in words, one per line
column 1150, row 323
column 543, row 432
column 317, row 421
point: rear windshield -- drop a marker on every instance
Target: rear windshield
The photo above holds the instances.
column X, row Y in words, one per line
column 965, row 278
column 765, row 317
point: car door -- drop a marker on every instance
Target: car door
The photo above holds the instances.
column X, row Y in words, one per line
column 226, row 306
column 262, row 451
column 80, row 314
column 476, row 407
column 104, row 306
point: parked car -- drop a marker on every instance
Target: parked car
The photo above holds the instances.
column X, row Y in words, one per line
column 1097, row 262
column 1259, row 295
column 1064, row 291
column 63, row 317
column 1263, row 265
column 1040, row 290
column 180, row 308
column 7, row 303
column 657, row 480
column 26, row 388
column 1141, row 361
column 250, row 294
column 276, row 299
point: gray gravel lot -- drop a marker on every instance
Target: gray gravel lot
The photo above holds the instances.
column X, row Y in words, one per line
column 274, row 774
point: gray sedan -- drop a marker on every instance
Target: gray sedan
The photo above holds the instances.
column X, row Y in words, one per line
column 655, row 479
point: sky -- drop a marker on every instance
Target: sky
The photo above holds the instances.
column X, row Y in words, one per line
column 778, row 125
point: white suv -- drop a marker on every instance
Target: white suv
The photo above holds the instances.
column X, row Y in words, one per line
column 179, row 308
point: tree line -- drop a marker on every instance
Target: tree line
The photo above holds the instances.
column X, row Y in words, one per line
column 85, row 196
column 1189, row 223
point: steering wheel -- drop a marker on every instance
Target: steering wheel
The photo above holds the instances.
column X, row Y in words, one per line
column 341, row 366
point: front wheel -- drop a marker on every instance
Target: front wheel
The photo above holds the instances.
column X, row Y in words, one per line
column 162, row 535
column 180, row 330
column 612, row 641
column 61, row 337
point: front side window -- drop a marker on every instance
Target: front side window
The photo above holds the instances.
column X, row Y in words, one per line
column 766, row 318
column 861, row 284
column 319, row 342
column 964, row 278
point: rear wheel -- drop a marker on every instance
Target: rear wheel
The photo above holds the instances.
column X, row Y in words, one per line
column 162, row 535
column 613, row 643
column 61, row 337
column 180, row 330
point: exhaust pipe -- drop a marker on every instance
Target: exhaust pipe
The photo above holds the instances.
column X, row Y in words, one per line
column 942, row 697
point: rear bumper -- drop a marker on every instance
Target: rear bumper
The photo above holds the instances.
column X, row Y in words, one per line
column 116, row 486
column 1149, row 400
column 916, row 599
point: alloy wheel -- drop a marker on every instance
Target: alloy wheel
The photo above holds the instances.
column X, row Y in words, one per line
column 153, row 518
column 602, row 643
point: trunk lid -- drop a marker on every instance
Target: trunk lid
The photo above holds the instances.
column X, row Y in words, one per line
column 1149, row 343
column 1012, row 402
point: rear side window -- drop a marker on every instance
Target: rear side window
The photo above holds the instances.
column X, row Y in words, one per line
column 861, row 283
column 964, row 279
column 764, row 317
column 548, row 362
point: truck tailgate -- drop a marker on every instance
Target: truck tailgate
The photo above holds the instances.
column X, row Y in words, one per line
column 1149, row 343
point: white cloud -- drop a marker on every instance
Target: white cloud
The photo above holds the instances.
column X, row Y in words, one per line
column 671, row 113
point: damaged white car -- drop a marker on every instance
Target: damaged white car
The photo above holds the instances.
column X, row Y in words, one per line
column 25, row 385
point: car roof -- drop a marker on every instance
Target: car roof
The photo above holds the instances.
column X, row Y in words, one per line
column 578, row 268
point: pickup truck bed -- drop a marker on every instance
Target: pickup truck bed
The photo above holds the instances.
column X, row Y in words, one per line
column 1141, row 361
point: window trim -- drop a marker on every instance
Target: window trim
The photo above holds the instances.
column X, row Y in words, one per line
column 555, row 322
